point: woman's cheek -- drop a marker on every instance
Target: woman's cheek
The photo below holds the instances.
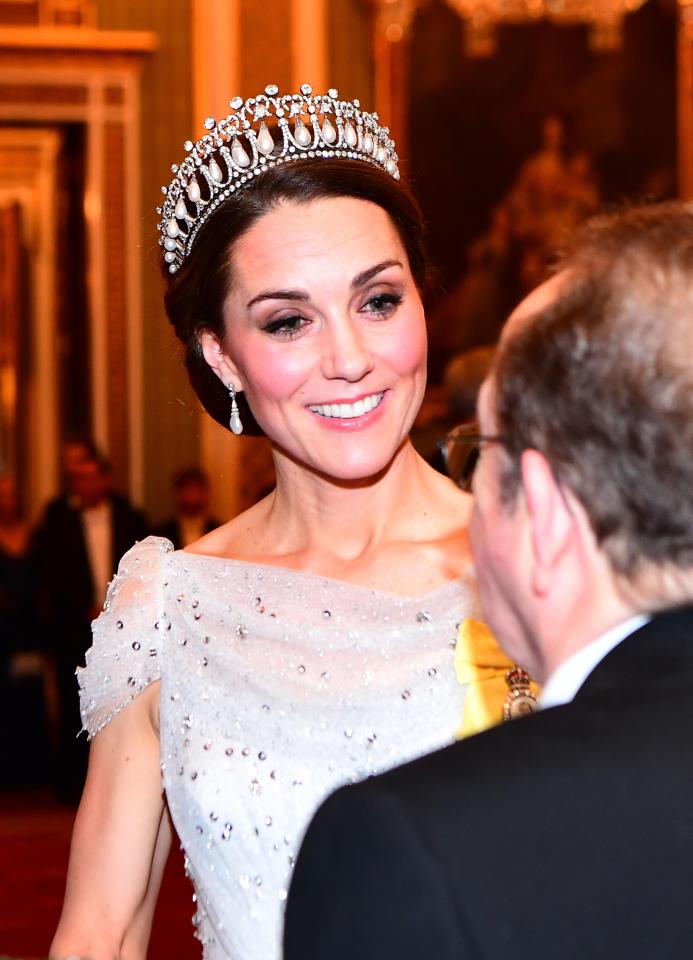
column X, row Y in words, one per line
column 275, row 374
column 408, row 349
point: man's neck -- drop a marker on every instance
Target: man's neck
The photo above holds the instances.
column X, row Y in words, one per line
column 568, row 628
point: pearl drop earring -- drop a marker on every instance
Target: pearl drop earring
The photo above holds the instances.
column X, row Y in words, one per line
column 235, row 424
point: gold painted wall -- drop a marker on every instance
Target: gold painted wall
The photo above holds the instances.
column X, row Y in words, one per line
column 170, row 419
column 351, row 49
column 265, row 45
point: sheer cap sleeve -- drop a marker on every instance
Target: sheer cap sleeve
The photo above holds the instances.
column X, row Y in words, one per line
column 127, row 636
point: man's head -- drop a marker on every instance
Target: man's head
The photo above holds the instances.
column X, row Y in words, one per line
column 191, row 493
column 585, row 503
column 76, row 451
column 91, row 481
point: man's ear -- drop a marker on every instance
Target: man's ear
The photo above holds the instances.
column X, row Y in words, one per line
column 551, row 521
column 213, row 352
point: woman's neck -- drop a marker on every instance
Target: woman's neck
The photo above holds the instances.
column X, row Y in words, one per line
column 309, row 512
column 403, row 532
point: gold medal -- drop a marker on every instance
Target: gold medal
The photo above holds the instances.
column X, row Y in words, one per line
column 520, row 701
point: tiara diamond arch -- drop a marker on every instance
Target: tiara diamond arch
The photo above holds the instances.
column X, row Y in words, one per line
column 242, row 145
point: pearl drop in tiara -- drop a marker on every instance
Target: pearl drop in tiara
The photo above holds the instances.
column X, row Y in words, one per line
column 242, row 145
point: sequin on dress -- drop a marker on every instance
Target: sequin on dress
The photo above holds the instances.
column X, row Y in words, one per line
column 276, row 686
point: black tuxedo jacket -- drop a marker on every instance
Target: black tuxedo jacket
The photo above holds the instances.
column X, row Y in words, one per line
column 65, row 581
column 568, row 834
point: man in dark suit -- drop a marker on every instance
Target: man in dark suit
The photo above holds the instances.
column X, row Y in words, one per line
column 77, row 547
column 569, row 833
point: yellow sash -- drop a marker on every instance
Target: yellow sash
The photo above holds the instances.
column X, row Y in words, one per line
column 481, row 664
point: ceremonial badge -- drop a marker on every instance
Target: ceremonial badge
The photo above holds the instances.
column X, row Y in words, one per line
column 520, row 701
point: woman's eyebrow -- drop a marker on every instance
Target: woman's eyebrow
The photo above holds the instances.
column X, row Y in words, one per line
column 278, row 295
column 361, row 278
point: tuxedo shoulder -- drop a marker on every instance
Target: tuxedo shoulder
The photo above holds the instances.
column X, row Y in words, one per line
column 467, row 772
column 509, row 743
column 605, row 739
column 57, row 509
column 525, row 758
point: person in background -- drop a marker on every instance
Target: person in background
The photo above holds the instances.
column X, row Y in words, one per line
column 568, row 833
column 192, row 518
column 475, row 309
column 75, row 451
column 462, row 379
column 76, row 546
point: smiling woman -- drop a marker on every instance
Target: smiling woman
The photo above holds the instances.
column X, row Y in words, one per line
column 317, row 326
column 197, row 293
column 309, row 641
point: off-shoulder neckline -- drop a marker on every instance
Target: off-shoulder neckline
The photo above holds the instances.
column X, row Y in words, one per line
column 465, row 580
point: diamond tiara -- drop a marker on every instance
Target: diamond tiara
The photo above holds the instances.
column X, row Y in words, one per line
column 239, row 147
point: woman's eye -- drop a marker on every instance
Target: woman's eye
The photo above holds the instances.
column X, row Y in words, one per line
column 383, row 304
column 286, row 327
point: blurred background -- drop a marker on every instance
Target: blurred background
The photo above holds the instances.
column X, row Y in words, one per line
column 515, row 120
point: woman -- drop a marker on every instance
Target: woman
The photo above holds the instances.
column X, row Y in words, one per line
column 307, row 642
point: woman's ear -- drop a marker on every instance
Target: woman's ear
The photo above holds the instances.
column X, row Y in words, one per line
column 213, row 352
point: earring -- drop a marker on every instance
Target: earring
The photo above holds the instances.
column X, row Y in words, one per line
column 235, row 425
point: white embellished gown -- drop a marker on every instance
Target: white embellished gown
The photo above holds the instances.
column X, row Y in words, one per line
column 276, row 687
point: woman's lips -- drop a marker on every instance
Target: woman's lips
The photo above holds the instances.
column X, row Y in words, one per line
column 345, row 415
column 348, row 410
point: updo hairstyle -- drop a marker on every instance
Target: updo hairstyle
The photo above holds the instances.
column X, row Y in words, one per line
column 196, row 294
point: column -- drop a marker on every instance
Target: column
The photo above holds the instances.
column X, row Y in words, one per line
column 309, row 44
column 217, row 78
column 685, row 100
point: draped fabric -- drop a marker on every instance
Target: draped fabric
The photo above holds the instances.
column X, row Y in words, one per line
column 276, row 687
column 481, row 666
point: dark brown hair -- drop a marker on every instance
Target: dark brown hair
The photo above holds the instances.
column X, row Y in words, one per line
column 195, row 295
column 601, row 383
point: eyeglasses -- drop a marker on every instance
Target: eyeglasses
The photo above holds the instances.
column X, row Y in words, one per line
column 461, row 449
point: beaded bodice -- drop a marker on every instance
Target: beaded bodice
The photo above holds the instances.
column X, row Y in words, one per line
column 276, row 686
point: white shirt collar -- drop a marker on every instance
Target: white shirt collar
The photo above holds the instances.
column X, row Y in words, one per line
column 97, row 524
column 570, row 675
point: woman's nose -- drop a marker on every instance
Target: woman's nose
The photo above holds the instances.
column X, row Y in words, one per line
column 346, row 355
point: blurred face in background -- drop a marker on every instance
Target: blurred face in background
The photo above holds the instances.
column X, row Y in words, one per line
column 90, row 483
column 192, row 499
column 75, row 452
column 554, row 132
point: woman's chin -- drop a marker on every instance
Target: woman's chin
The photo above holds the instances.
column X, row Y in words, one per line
column 346, row 459
column 358, row 469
